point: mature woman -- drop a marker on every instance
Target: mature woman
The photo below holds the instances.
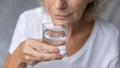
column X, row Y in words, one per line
column 91, row 42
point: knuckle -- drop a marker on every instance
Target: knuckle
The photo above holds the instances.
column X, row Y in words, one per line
column 47, row 47
column 31, row 62
column 26, row 44
column 27, row 58
column 27, row 41
column 26, row 50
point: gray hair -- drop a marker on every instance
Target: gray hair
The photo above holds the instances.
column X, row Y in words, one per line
column 92, row 10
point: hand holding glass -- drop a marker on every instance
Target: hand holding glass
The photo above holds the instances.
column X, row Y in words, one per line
column 55, row 35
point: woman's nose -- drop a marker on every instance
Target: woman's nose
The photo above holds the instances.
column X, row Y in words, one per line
column 60, row 4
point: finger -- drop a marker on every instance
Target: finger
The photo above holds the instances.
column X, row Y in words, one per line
column 37, row 56
column 50, row 56
column 38, row 45
column 49, row 48
column 30, row 56
column 30, row 60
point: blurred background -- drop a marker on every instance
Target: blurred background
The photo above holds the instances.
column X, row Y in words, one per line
column 11, row 9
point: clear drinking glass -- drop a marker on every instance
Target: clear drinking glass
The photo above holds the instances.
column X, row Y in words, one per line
column 55, row 35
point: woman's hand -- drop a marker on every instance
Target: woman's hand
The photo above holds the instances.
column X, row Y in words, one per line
column 33, row 51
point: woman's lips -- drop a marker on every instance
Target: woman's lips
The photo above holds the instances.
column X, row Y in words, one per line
column 62, row 17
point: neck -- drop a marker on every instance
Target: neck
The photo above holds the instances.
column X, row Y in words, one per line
column 78, row 35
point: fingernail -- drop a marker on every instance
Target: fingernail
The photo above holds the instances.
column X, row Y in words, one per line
column 56, row 50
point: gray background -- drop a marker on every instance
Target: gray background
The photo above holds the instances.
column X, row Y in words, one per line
column 11, row 9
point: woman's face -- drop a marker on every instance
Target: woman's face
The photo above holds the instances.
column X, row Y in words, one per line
column 65, row 11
